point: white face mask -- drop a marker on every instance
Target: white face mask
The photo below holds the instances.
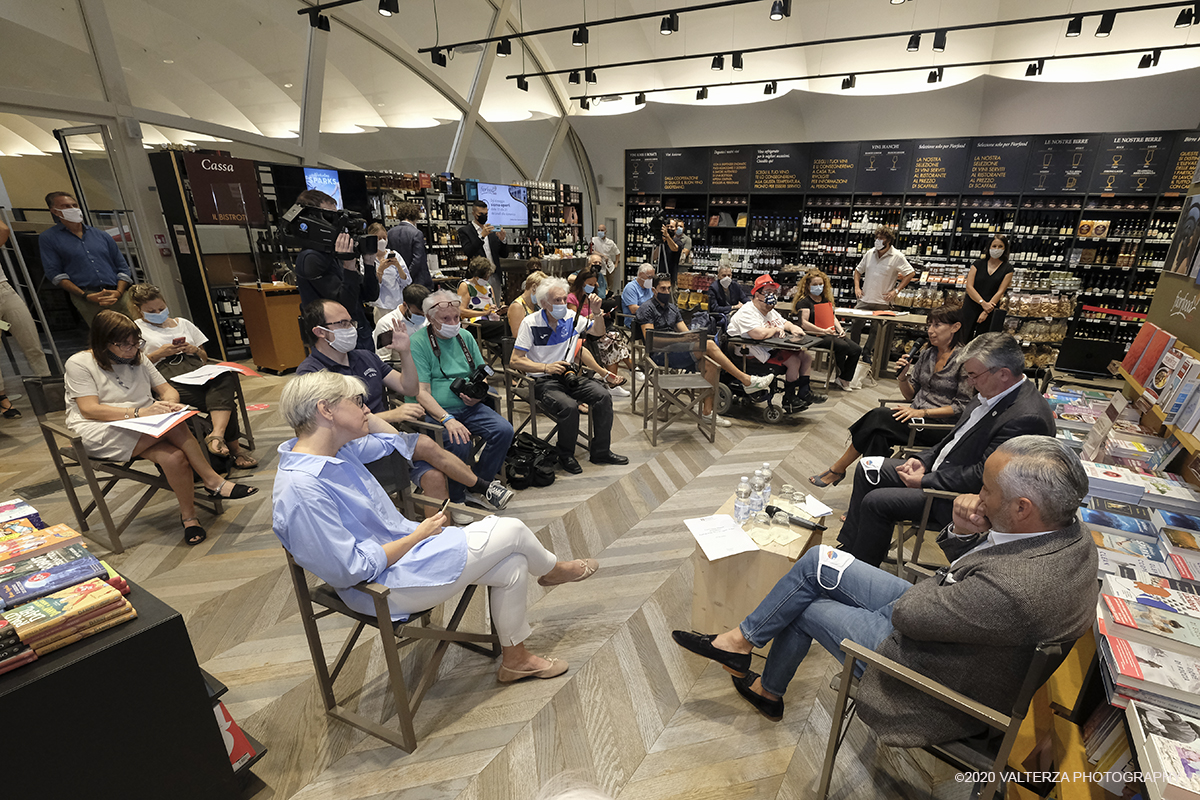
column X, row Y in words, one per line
column 996, row 252
column 382, row 245
column 558, row 311
column 344, row 340
column 880, row 244
column 648, row 283
column 449, row 331
column 72, row 214
column 816, row 288
column 601, row 234
column 726, row 281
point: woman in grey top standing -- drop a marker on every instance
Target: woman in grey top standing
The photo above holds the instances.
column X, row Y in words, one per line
column 935, row 387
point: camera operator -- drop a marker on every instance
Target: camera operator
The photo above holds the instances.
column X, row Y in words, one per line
column 336, row 276
column 454, row 391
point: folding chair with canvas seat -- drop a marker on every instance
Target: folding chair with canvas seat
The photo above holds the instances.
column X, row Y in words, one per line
column 981, row 755
column 677, row 396
column 48, row 397
column 521, row 388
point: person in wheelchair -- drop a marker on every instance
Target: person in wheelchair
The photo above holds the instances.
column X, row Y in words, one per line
column 661, row 314
column 1022, row 571
column 759, row 320
column 335, row 519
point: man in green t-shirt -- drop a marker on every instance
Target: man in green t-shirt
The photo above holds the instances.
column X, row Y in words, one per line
column 443, row 352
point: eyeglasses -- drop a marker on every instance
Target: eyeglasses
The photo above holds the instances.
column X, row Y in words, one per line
column 440, row 306
column 341, row 324
column 137, row 344
column 358, row 400
column 979, row 375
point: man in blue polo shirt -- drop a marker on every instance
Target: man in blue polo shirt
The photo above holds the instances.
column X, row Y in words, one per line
column 83, row 261
column 331, row 332
column 638, row 292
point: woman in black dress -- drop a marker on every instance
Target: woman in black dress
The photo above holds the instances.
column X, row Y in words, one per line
column 987, row 282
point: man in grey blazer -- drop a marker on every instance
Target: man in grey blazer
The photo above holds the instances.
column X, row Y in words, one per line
column 1023, row 571
column 1007, row 405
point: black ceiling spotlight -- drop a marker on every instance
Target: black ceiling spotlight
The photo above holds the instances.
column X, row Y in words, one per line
column 523, row 84
column 718, row 62
column 1184, row 19
column 640, row 100
column 1106, row 24
column 504, row 48
column 771, row 88
column 670, row 24
column 438, row 58
column 389, row 7
column 848, row 82
column 939, row 42
column 914, row 43
column 1150, row 60
column 589, row 75
column 580, row 37
column 935, row 75
column 573, row 77
column 781, row 9
column 585, row 104
column 737, row 62
column 323, row 23
column 1075, row 26
column 702, row 94
column 1035, row 68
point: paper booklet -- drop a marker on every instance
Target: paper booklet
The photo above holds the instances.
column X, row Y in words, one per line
column 156, row 424
column 206, row 373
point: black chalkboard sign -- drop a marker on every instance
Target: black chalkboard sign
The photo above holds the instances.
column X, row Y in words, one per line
column 780, row 168
column 939, row 165
column 1184, row 162
column 831, row 167
column 685, row 170
column 884, row 167
column 730, row 169
column 643, row 171
column 1061, row 163
column 1132, row 163
column 997, row 164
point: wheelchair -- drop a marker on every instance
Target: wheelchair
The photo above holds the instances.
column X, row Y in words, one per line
column 731, row 391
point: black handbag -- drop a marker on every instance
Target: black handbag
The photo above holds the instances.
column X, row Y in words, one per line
column 530, row 462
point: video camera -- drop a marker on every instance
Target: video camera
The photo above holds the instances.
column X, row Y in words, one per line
column 311, row 228
column 475, row 385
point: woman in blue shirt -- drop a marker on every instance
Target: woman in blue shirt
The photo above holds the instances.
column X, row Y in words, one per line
column 338, row 523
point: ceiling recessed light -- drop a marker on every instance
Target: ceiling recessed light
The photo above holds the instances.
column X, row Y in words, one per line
column 379, row 104
column 168, row 61
column 287, row 85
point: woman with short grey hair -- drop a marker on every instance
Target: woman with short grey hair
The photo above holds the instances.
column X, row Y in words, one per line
column 338, row 523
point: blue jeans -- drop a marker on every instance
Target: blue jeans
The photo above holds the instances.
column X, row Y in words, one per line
column 798, row 609
column 497, row 435
column 603, row 284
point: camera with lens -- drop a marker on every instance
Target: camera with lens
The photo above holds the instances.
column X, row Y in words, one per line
column 475, row 385
column 311, row 228
column 570, row 376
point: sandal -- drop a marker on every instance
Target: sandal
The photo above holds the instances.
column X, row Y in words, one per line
column 10, row 411
column 238, row 492
column 243, row 461
column 193, row 534
column 621, row 380
column 590, row 565
column 820, row 481
column 219, row 449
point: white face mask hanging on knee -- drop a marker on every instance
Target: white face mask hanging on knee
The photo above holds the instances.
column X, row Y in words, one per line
column 831, row 564
column 871, row 466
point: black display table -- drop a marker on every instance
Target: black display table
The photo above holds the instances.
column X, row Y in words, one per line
column 124, row 713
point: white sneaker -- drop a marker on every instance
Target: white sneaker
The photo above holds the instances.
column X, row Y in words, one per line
column 759, row 383
column 496, row 499
column 722, row 422
column 843, row 385
column 639, row 375
column 461, row 518
column 618, row 391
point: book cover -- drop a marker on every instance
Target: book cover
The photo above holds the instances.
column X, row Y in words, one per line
column 17, row 527
column 67, row 627
column 1140, row 342
column 236, row 744
column 28, row 566
column 1126, row 545
column 16, row 509
column 1160, row 378
column 1184, row 551
column 1148, row 363
column 1153, row 591
column 1153, row 668
column 31, row 618
column 1169, row 743
column 38, row 542
column 1173, row 519
column 1147, row 625
column 1184, row 375
column 83, row 633
column 1112, row 521
column 15, row 591
column 17, row 662
column 1110, row 562
column 1117, row 507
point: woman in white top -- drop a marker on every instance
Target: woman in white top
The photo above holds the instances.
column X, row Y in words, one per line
column 175, row 346
column 113, row 381
column 392, row 273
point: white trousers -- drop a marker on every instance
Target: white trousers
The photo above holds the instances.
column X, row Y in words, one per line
column 14, row 311
column 502, row 559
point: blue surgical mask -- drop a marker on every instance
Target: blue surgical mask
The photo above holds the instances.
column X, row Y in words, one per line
column 416, row 320
column 816, row 288
column 558, row 311
column 158, row 318
column 588, row 288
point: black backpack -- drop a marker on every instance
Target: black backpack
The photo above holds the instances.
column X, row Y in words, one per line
column 530, row 462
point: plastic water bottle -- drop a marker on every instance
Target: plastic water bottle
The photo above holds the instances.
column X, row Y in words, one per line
column 767, row 474
column 741, row 502
column 757, row 502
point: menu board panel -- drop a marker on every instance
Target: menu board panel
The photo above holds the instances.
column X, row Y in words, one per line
column 780, row 168
column 1061, row 164
column 643, row 171
column 685, row 170
column 997, row 164
column 224, row 189
column 939, row 165
column 1132, row 163
column 831, row 167
column 1184, row 162
column 883, row 167
column 730, row 169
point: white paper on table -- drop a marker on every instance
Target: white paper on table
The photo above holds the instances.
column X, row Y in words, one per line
column 814, row 507
column 203, row 374
column 858, row 312
column 155, row 424
column 719, row 536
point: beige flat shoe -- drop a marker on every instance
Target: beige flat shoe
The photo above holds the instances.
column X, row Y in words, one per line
column 555, row 668
column 590, row 565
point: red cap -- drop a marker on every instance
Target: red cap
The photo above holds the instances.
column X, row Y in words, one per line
column 764, row 280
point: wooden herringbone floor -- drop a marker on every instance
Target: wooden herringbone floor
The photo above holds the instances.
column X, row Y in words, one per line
column 635, row 714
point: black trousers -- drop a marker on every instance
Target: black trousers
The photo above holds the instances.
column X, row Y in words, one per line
column 876, row 508
column 877, row 432
column 561, row 400
column 845, row 355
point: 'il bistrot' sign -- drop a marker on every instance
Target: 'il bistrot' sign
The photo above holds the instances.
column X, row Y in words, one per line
column 224, row 189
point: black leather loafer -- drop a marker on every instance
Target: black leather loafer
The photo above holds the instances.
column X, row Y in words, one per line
column 609, row 458
column 771, row 709
column 701, row 645
column 570, row 464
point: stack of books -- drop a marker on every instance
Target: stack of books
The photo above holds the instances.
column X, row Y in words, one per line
column 18, row 509
column 13, row 652
column 1169, row 377
column 69, row 615
column 1114, row 482
column 1167, row 743
column 1104, row 742
column 37, row 576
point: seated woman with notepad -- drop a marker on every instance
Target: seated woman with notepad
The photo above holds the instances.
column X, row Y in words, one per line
column 815, row 307
column 175, row 347
column 112, row 381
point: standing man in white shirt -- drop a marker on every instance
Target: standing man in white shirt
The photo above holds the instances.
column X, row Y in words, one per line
column 610, row 257
column 875, row 283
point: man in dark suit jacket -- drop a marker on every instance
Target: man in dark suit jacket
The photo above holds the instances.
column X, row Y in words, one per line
column 407, row 240
column 1007, row 405
column 478, row 239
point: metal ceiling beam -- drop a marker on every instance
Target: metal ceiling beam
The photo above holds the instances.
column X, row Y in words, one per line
column 470, row 118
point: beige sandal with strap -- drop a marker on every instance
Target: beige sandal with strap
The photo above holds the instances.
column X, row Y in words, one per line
column 590, row 565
